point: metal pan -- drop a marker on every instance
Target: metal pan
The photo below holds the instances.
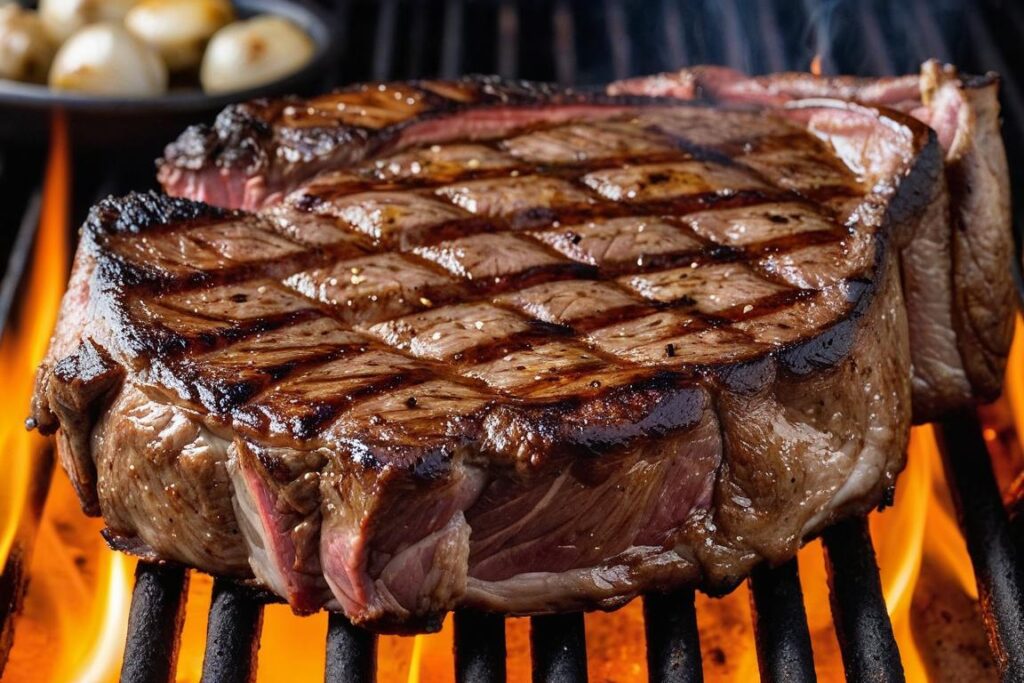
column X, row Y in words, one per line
column 25, row 109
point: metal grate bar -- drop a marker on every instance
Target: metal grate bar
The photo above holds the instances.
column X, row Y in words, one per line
column 154, row 624
column 673, row 641
column 771, row 38
column 736, row 54
column 479, row 647
column 858, row 608
column 508, row 39
column 232, row 634
column 351, row 652
column 983, row 519
column 877, row 52
column 618, row 38
column 565, row 42
column 924, row 21
column 672, row 24
column 384, row 40
column 451, row 47
column 780, row 625
column 558, row 644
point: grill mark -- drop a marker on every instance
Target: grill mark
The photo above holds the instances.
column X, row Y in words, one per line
column 543, row 332
column 167, row 343
column 324, row 411
column 765, row 306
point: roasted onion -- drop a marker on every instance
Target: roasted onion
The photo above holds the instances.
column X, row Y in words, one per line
column 25, row 48
column 178, row 29
column 105, row 59
column 250, row 53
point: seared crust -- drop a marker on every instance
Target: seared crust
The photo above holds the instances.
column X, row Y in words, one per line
column 416, row 345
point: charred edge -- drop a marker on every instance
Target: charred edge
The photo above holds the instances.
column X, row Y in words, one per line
column 245, row 137
column 138, row 212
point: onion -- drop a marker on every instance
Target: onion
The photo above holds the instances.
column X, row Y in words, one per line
column 105, row 59
column 254, row 52
column 25, row 48
column 64, row 17
column 178, row 29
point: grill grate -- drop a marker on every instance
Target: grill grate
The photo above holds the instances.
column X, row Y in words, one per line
column 590, row 42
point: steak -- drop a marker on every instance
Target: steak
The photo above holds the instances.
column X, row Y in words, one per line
column 502, row 347
column 957, row 271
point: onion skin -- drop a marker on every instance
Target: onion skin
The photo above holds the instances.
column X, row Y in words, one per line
column 105, row 59
column 26, row 50
column 179, row 29
column 251, row 53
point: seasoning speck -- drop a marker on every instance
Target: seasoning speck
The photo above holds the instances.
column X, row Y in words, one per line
column 410, row 402
column 670, row 349
column 595, row 384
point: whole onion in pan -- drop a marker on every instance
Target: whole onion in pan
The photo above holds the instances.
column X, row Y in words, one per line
column 105, row 59
column 64, row 17
column 250, row 53
column 25, row 48
column 178, row 29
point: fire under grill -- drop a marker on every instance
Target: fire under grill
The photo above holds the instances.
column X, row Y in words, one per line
column 589, row 42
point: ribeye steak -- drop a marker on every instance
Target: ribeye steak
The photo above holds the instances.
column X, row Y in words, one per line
column 500, row 345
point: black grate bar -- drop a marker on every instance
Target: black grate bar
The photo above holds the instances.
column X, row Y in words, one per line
column 673, row 641
column 618, row 38
column 19, row 257
column 674, row 39
column 154, row 624
column 983, row 519
column 780, row 625
column 479, row 647
column 877, row 51
column 736, row 54
column 508, row 39
column 451, row 46
column 771, row 38
column 558, row 645
column 232, row 634
column 384, row 40
column 925, row 22
column 861, row 621
column 351, row 652
column 565, row 43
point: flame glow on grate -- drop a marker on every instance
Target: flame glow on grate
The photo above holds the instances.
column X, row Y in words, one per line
column 74, row 619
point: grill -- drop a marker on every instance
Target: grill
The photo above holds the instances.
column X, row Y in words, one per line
column 590, row 42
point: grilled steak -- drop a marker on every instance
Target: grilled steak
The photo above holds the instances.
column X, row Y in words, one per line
column 516, row 349
column 957, row 273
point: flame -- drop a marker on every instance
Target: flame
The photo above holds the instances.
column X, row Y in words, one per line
column 22, row 349
column 75, row 614
column 816, row 65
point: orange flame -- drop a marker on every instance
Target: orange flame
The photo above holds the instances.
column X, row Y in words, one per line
column 75, row 615
column 816, row 65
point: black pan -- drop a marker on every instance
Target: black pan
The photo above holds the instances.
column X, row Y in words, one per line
column 26, row 109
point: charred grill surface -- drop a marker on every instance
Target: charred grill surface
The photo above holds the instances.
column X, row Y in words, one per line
column 520, row 358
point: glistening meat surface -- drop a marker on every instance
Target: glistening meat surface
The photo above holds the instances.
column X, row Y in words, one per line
column 543, row 352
